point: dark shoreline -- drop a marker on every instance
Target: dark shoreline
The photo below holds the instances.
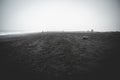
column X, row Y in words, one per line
column 60, row 56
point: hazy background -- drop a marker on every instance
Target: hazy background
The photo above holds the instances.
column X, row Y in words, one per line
column 59, row 15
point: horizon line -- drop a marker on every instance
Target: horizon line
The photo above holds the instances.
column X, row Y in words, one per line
column 29, row 32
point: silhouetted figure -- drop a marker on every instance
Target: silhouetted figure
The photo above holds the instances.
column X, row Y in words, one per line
column 92, row 30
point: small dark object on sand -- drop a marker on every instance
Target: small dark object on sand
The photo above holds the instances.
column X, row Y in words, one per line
column 85, row 37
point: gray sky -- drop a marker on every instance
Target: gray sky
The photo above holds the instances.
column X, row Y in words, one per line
column 59, row 15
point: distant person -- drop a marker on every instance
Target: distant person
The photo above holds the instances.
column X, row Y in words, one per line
column 92, row 30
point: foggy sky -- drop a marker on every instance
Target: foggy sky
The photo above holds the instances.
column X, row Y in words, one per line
column 59, row 15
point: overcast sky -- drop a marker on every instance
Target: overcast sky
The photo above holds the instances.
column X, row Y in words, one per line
column 59, row 15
